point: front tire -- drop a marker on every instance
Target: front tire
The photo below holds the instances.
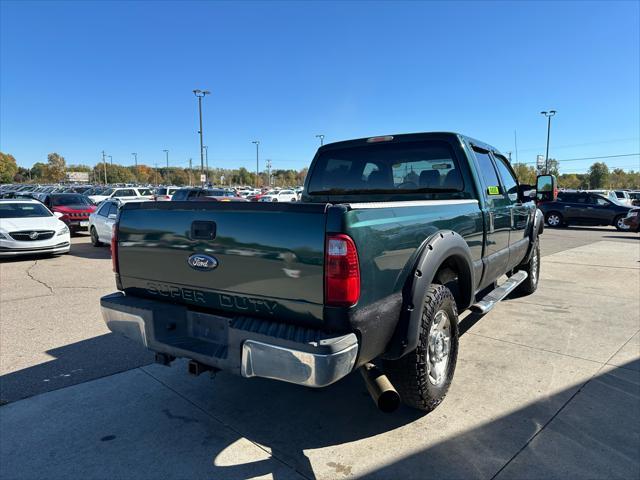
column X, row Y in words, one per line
column 423, row 376
column 618, row 222
column 95, row 240
column 532, row 267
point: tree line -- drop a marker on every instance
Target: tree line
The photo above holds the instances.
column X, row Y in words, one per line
column 55, row 169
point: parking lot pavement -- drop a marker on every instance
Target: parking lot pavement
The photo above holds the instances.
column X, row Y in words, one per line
column 51, row 331
column 547, row 386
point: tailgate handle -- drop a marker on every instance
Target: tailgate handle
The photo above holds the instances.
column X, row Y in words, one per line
column 203, row 230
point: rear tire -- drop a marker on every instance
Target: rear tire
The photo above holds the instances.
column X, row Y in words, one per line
column 421, row 377
column 532, row 267
column 554, row 219
column 95, row 240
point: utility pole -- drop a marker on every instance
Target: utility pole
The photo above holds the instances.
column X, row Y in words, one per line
column 111, row 159
column 206, row 160
column 548, row 114
column 104, row 164
column 200, row 94
column 257, row 143
column 509, row 155
column 321, row 137
column 167, row 154
column 135, row 159
column 269, row 172
column 190, row 169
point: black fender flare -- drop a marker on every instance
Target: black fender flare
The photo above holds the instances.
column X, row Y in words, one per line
column 438, row 248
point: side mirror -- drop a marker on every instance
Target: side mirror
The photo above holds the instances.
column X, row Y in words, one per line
column 546, row 188
column 58, row 214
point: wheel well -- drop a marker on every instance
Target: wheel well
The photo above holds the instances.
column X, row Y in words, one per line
column 455, row 274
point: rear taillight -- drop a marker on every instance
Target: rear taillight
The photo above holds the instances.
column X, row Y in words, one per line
column 114, row 248
column 342, row 272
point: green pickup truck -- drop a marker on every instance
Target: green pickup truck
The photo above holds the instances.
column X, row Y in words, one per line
column 392, row 238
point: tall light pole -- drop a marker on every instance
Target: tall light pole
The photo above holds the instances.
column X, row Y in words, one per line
column 200, row 94
column 269, row 172
column 110, row 159
column 135, row 159
column 167, row 154
column 257, row 143
column 104, row 164
column 548, row 114
column 321, row 137
column 206, row 161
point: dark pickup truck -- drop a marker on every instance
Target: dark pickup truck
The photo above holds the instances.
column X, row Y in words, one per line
column 393, row 237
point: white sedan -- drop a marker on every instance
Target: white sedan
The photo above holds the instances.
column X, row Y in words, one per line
column 27, row 227
column 101, row 222
column 281, row 196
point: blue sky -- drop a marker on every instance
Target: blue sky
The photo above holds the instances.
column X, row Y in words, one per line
column 81, row 77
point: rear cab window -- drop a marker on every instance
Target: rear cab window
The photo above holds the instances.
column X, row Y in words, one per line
column 425, row 169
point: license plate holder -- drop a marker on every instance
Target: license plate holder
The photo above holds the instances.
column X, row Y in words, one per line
column 211, row 328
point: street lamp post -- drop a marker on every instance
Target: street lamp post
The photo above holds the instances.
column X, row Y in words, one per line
column 321, row 137
column 206, row 161
column 110, row 159
column 257, row 143
column 548, row 114
column 200, row 94
column 104, row 164
column 167, row 154
column 135, row 159
column 269, row 173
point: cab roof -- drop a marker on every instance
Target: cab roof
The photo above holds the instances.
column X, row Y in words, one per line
column 407, row 137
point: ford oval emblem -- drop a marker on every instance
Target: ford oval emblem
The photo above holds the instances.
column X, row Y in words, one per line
column 202, row 262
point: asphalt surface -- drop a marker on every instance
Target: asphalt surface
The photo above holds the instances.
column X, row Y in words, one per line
column 547, row 386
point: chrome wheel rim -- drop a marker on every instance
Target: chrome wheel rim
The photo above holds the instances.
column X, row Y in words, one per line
column 622, row 225
column 553, row 220
column 439, row 348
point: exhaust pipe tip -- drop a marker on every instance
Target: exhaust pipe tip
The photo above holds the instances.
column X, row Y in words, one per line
column 388, row 401
column 382, row 392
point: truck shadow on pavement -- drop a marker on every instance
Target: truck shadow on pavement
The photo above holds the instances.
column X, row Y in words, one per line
column 72, row 364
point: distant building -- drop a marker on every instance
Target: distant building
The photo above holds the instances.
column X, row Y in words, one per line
column 77, row 177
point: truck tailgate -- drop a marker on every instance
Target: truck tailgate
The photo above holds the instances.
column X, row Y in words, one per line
column 269, row 256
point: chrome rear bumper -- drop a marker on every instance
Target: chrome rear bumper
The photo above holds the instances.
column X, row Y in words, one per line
column 236, row 344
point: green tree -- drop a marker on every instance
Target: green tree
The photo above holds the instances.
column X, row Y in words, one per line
column 526, row 174
column 57, row 167
column 598, row 175
column 8, row 167
column 39, row 172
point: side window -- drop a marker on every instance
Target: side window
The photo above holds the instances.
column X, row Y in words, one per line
column 119, row 193
column 599, row 201
column 488, row 172
column 180, row 195
column 508, row 180
column 113, row 209
column 104, row 210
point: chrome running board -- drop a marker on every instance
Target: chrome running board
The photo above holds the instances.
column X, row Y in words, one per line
column 489, row 301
